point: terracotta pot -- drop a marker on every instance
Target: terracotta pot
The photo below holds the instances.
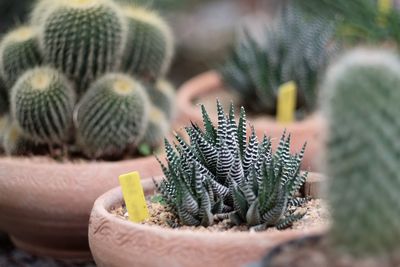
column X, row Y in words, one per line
column 45, row 206
column 310, row 130
column 118, row 243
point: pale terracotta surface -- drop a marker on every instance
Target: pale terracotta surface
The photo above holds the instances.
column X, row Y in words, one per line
column 45, row 206
column 118, row 243
column 311, row 129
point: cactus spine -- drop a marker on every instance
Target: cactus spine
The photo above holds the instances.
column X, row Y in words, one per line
column 111, row 116
column 83, row 38
column 149, row 46
column 42, row 103
column 363, row 160
column 19, row 51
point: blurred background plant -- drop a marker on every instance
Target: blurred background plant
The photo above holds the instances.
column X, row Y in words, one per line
column 360, row 21
column 294, row 48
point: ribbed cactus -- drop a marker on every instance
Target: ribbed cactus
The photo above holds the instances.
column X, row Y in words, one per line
column 112, row 116
column 162, row 95
column 19, row 51
column 363, row 156
column 149, row 45
column 222, row 174
column 42, row 102
column 157, row 128
column 83, row 38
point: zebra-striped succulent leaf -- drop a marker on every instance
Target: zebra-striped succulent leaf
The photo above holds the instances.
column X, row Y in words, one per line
column 220, row 174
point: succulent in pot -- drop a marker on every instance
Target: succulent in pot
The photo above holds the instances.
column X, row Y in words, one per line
column 222, row 175
column 217, row 191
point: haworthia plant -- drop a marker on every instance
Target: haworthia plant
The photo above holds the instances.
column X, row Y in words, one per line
column 295, row 49
column 362, row 99
column 220, row 174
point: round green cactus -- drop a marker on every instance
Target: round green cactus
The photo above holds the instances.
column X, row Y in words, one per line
column 112, row 116
column 363, row 96
column 149, row 46
column 19, row 51
column 157, row 128
column 42, row 103
column 83, row 38
column 162, row 95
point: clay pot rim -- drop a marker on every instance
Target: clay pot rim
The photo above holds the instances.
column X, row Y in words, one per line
column 114, row 198
column 211, row 81
column 47, row 161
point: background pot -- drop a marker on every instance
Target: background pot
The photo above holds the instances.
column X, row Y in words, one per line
column 207, row 87
column 45, row 206
column 118, row 243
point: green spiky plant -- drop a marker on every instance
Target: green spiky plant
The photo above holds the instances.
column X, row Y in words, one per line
column 82, row 38
column 149, row 44
column 295, row 49
column 221, row 175
column 83, row 43
column 358, row 20
column 42, row 101
column 112, row 115
column 19, row 51
column 362, row 96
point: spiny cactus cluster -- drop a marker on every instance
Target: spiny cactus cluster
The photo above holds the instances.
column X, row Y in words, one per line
column 87, row 73
column 222, row 175
column 295, row 49
column 362, row 96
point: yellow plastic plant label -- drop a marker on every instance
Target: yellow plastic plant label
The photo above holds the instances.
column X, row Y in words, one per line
column 135, row 200
column 287, row 98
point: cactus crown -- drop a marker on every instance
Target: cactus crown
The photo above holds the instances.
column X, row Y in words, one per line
column 221, row 175
column 295, row 49
column 362, row 92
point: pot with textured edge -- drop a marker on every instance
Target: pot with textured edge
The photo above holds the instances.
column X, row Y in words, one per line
column 119, row 243
column 310, row 130
column 45, row 206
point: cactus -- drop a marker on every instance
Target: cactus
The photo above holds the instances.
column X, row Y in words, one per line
column 112, row 116
column 149, row 45
column 83, row 38
column 42, row 103
column 19, row 51
column 162, row 95
column 221, row 175
column 363, row 93
column 157, row 128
